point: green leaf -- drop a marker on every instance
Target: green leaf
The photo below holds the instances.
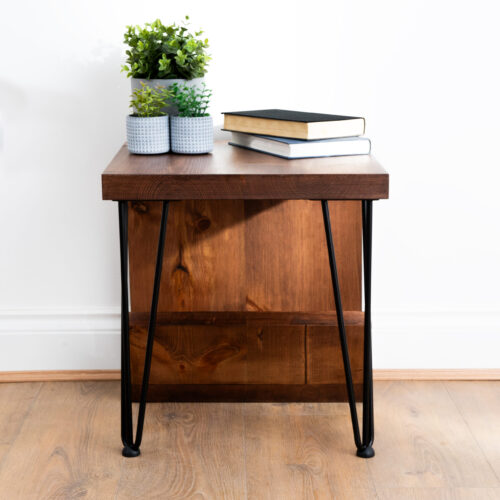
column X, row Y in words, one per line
column 190, row 45
column 148, row 101
column 153, row 51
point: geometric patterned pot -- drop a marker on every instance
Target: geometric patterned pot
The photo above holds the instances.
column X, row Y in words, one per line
column 148, row 136
column 192, row 135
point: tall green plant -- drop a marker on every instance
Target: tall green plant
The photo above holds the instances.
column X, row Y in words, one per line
column 148, row 102
column 191, row 101
column 158, row 51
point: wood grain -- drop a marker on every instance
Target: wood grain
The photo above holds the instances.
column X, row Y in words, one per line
column 236, row 393
column 287, row 261
column 438, row 493
column 479, row 406
column 203, row 264
column 221, row 354
column 68, row 446
column 249, row 318
column 16, row 402
column 242, row 264
column 302, row 455
column 230, row 256
column 424, row 440
column 189, row 451
column 324, row 356
column 61, row 440
column 238, row 174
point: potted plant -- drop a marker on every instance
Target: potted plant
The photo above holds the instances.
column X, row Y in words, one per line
column 147, row 127
column 192, row 130
column 163, row 55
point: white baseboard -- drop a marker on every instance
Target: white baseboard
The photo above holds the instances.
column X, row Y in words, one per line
column 460, row 339
column 402, row 340
column 59, row 340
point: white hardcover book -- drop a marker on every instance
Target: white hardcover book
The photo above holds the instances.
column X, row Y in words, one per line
column 296, row 148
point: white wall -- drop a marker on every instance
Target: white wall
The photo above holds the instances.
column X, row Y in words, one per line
column 424, row 73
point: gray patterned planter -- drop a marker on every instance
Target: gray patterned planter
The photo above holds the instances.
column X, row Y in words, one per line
column 148, row 136
column 192, row 135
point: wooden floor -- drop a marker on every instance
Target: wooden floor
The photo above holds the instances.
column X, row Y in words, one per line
column 434, row 440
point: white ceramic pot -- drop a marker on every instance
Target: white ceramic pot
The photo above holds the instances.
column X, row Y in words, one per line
column 166, row 83
column 192, row 135
column 148, row 136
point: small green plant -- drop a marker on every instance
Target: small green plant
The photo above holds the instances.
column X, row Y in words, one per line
column 158, row 51
column 191, row 101
column 148, row 102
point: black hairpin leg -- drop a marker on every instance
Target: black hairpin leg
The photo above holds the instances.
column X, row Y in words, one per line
column 364, row 444
column 131, row 447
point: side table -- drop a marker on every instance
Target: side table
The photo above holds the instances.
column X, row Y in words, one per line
column 237, row 174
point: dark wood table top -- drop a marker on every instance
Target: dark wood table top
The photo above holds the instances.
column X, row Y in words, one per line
column 234, row 173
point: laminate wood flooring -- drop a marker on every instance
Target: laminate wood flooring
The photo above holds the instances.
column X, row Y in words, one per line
column 433, row 441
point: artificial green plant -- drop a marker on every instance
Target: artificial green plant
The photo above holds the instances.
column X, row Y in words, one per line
column 191, row 101
column 147, row 102
column 158, row 51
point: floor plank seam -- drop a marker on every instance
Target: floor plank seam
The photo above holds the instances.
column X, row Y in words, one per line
column 471, row 432
column 370, row 472
column 27, row 414
column 244, row 413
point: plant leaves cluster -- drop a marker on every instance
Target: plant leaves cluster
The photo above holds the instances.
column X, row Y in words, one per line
column 158, row 51
column 191, row 101
column 148, row 102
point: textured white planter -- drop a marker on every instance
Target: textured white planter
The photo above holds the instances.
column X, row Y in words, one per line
column 192, row 136
column 148, row 136
column 166, row 83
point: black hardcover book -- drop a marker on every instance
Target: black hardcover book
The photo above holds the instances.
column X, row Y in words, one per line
column 294, row 124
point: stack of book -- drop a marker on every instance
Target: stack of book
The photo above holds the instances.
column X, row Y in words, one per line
column 295, row 134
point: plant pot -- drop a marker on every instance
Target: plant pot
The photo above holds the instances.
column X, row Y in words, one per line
column 148, row 136
column 192, row 135
column 171, row 109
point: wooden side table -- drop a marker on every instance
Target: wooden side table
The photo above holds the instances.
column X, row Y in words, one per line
column 235, row 174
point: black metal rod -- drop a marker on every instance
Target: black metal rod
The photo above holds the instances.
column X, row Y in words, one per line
column 368, row 417
column 364, row 446
column 152, row 324
column 126, row 403
column 341, row 325
column 131, row 448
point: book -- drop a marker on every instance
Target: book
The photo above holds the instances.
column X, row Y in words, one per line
column 296, row 148
column 293, row 124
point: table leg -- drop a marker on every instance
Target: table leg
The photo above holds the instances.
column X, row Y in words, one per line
column 364, row 444
column 131, row 447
